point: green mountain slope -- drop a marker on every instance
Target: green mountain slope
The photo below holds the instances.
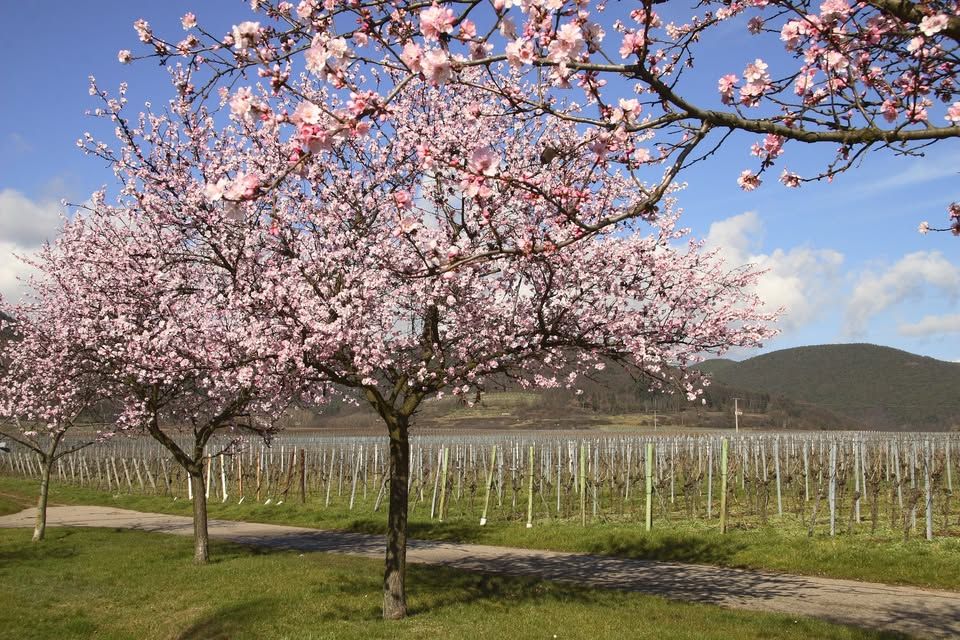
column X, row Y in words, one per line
column 879, row 386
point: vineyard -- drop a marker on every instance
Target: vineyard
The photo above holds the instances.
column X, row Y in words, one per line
column 835, row 483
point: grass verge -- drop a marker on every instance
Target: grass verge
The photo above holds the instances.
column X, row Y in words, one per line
column 84, row 583
column 781, row 545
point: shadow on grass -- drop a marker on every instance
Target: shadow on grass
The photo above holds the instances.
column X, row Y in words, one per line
column 227, row 622
column 436, row 588
column 46, row 549
column 669, row 548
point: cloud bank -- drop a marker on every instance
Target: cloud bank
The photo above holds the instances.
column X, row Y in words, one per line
column 907, row 279
column 801, row 280
column 25, row 225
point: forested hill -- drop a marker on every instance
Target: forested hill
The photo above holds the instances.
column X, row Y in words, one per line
column 878, row 386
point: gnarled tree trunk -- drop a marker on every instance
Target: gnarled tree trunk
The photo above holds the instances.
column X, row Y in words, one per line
column 40, row 528
column 394, row 592
column 201, row 538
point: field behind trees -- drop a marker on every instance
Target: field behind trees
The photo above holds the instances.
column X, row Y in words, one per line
column 827, row 483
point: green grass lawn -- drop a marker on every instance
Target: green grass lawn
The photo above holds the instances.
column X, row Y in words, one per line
column 781, row 545
column 97, row 583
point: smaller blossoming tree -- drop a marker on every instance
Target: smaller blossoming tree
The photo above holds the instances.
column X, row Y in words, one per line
column 49, row 387
column 162, row 332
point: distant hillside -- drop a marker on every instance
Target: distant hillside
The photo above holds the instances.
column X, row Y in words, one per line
column 715, row 366
column 6, row 330
column 609, row 398
column 882, row 387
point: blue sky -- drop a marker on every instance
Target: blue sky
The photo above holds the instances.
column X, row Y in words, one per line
column 844, row 258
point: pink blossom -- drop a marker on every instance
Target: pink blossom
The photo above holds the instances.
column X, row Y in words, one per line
column 241, row 103
column 142, row 27
column 468, row 29
column 407, row 225
column 324, row 53
column 338, row 48
column 726, row 86
column 924, row 228
column 435, row 21
column 953, row 114
column 245, row 35
column 770, row 148
column 792, row 32
column 484, row 160
column 748, row 180
column 403, row 199
column 751, row 93
column 245, row 187
column 567, row 43
column 214, row 190
column 836, row 61
column 306, row 8
column 916, row 112
column 519, row 52
column 315, row 137
column 789, row 179
column 631, row 107
column 436, row 66
column 932, row 25
column 124, row 56
column 475, row 186
column 411, row 56
column 889, row 110
column 633, row 42
column 571, row 35
column 188, row 21
column 317, row 55
column 306, row 113
column 803, row 83
column 839, row 9
column 360, row 102
column 756, row 72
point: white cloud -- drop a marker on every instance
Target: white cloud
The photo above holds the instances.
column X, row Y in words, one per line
column 907, row 279
column 931, row 326
column 24, row 222
column 801, row 280
column 915, row 173
column 25, row 225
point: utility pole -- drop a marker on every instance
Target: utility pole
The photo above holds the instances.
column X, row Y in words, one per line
column 736, row 414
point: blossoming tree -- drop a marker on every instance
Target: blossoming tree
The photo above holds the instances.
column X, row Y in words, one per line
column 432, row 247
column 857, row 77
column 48, row 388
column 162, row 331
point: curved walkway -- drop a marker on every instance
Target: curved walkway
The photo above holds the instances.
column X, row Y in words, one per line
column 918, row 612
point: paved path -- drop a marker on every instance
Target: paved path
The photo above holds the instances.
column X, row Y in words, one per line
column 919, row 612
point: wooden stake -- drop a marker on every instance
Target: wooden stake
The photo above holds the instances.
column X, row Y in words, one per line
column 303, row 476
column 582, row 471
column 486, row 499
column 723, row 485
column 443, row 482
column 648, row 520
column 530, row 491
column 223, row 479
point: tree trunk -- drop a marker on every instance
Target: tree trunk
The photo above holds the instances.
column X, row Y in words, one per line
column 40, row 529
column 201, row 538
column 394, row 593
